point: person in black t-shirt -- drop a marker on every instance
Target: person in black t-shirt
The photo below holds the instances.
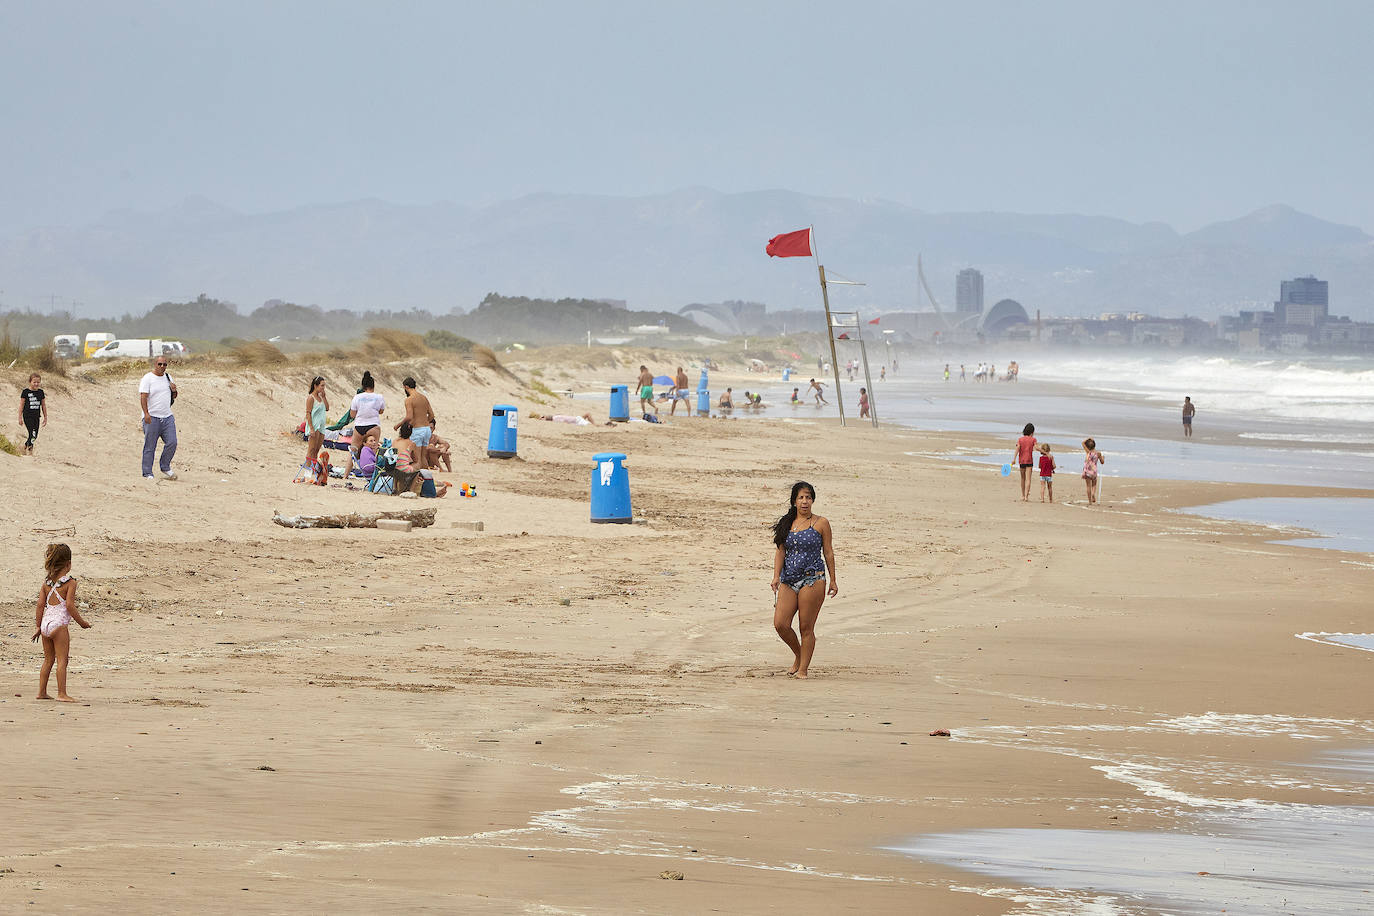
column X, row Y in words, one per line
column 33, row 407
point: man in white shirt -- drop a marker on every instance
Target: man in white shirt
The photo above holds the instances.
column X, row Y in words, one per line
column 155, row 393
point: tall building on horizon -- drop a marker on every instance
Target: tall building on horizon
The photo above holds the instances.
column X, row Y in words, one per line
column 968, row 291
column 1302, row 301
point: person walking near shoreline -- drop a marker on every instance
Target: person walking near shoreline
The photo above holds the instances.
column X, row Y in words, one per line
column 804, row 553
column 1024, row 456
column 1188, row 411
column 1092, row 459
column 156, row 392
column 1047, row 467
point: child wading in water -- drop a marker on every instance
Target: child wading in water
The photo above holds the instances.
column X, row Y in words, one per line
column 1091, row 460
column 56, row 609
column 1047, row 467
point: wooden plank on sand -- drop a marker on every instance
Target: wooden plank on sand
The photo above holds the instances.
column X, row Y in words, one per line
column 420, row 518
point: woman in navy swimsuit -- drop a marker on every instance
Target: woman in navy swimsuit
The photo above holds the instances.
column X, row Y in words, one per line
column 799, row 570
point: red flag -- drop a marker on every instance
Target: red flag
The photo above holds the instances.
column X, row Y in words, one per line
column 843, row 337
column 790, row 245
column 875, row 321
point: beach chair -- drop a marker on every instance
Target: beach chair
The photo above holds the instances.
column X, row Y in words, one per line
column 313, row 472
column 308, row 472
column 386, row 478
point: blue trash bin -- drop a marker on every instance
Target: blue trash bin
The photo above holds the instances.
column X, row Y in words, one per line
column 610, row 489
column 620, row 403
column 501, row 440
column 787, row 374
column 701, row 382
column 703, row 403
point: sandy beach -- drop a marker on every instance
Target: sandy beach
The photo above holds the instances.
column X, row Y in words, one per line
column 278, row 720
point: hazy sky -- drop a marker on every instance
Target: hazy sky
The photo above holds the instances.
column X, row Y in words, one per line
column 1183, row 112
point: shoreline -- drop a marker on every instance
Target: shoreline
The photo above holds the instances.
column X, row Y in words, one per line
column 397, row 684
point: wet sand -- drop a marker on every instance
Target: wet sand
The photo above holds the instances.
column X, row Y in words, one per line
column 443, row 732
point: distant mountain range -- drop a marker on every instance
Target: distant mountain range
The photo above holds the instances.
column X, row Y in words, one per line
column 666, row 251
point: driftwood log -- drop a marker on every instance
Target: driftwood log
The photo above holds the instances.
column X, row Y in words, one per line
column 420, row 518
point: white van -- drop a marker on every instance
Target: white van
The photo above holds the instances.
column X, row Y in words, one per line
column 97, row 339
column 67, row 346
column 136, row 347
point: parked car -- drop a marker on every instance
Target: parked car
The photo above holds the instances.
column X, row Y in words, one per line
column 174, row 348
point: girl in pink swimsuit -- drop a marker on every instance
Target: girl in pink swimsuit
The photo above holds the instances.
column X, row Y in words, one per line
column 1092, row 458
column 56, row 610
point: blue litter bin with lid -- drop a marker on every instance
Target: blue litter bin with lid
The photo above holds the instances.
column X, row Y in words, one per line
column 703, row 403
column 501, row 439
column 620, row 403
column 787, row 374
column 610, row 489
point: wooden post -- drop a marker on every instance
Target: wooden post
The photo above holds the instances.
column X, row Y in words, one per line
column 830, row 333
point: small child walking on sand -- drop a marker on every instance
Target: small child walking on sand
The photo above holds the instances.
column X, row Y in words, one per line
column 1091, row 460
column 56, row 610
column 1047, row 467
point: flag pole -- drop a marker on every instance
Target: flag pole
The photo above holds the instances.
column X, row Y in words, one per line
column 829, row 327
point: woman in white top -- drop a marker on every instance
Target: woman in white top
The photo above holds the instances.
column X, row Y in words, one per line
column 367, row 407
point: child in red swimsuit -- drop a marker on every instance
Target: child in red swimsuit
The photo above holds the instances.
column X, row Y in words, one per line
column 1046, row 472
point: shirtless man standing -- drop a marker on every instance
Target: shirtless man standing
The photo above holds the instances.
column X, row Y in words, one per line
column 1188, row 411
column 421, row 418
column 680, row 392
column 646, row 390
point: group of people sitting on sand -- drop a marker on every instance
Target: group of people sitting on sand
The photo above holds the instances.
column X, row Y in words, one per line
column 417, row 448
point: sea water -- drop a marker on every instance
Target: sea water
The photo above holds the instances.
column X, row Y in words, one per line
column 1301, row 422
column 1338, row 523
column 1249, row 855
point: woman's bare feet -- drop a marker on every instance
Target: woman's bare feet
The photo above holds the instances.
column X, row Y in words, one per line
column 800, row 675
column 63, row 698
column 42, row 696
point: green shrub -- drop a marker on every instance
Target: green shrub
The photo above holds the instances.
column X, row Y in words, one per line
column 447, row 340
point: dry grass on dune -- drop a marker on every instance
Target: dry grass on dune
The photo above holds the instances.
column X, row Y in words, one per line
column 389, row 343
column 566, row 356
column 486, row 358
column 45, row 360
column 107, row 369
column 332, row 355
column 258, row 353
